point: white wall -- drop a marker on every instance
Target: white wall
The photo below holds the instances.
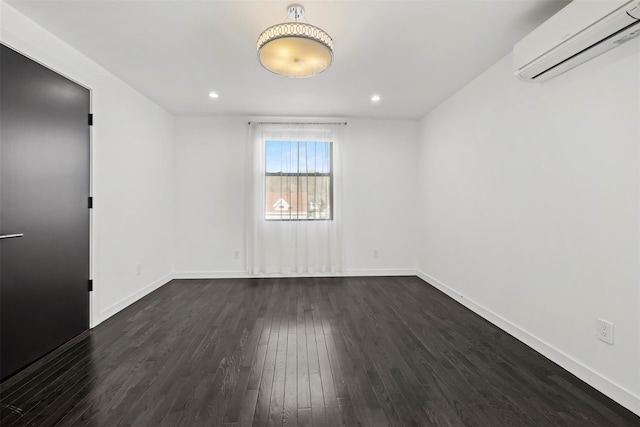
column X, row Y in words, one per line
column 379, row 192
column 380, row 196
column 209, row 196
column 132, row 171
column 530, row 211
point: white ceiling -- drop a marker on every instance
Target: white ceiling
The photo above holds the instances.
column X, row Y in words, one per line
column 414, row 54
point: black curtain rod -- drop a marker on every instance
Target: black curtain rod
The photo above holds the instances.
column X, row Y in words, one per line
column 299, row 123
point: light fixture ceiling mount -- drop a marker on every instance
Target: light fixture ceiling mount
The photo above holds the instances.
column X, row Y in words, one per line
column 295, row 49
column 295, row 11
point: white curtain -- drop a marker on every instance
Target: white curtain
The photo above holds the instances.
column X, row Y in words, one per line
column 286, row 235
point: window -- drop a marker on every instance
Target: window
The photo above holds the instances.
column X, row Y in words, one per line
column 298, row 180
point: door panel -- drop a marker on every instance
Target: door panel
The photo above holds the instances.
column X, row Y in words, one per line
column 44, row 189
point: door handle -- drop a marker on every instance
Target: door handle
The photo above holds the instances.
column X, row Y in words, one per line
column 11, row 236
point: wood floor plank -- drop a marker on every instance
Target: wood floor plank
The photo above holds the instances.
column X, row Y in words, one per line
column 304, row 417
column 318, row 411
column 312, row 354
column 328, row 383
column 248, row 357
column 276, row 406
column 266, row 381
column 356, row 351
column 248, row 408
column 304, row 398
column 290, row 413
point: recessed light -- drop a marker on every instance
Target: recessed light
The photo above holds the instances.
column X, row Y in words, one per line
column 213, row 95
column 375, row 98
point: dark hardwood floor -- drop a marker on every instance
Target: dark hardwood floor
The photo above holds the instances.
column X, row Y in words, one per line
column 389, row 351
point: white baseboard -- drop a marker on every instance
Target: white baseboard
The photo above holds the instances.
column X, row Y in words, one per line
column 245, row 274
column 210, row 275
column 125, row 302
column 382, row 273
column 616, row 392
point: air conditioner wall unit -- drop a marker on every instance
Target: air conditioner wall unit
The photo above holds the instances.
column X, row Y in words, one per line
column 582, row 30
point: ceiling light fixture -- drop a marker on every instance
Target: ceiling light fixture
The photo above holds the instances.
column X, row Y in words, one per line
column 213, row 95
column 295, row 49
column 375, row 98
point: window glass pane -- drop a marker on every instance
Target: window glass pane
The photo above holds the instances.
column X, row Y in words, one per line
column 298, row 180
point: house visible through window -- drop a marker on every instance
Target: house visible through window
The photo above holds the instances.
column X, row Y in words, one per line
column 298, row 181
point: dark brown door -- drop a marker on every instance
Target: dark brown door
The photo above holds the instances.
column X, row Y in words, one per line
column 44, row 217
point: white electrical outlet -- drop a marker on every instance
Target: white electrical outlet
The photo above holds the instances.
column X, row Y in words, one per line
column 604, row 331
column 138, row 269
column 375, row 253
column 236, row 254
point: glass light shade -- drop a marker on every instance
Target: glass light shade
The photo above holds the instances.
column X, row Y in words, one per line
column 295, row 50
